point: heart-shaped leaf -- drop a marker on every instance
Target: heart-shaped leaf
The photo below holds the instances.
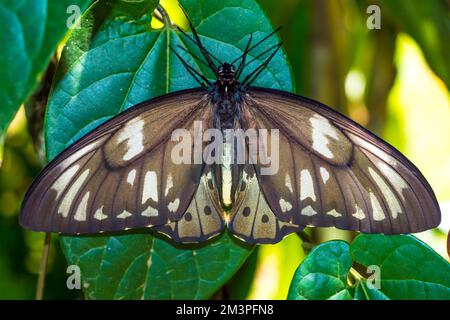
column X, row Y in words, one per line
column 113, row 62
column 140, row 266
column 323, row 273
column 409, row 268
column 365, row 292
column 30, row 32
column 398, row 267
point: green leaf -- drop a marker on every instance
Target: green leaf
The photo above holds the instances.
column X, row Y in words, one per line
column 428, row 23
column 140, row 266
column 323, row 273
column 31, row 30
column 364, row 292
column 409, row 268
column 113, row 62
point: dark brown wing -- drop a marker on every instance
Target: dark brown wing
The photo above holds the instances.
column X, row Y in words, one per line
column 333, row 172
column 121, row 175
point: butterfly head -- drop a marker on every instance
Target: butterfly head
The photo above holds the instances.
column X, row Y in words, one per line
column 227, row 74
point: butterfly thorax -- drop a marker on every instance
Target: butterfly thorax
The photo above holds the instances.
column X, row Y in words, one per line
column 226, row 95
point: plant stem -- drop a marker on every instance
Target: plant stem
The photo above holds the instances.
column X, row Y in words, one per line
column 308, row 242
column 43, row 267
column 356, row 274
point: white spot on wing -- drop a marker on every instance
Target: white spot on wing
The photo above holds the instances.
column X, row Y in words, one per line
column 169, row 184
column 125, row 214
column 173, row 206
column 133, row 135
column 64, row 180
column 306, row 187
column 80, row 214
column 288, row 182
column 285, row 205
column 66, row 203
column 150, row 212
column 377, row 211
column 150, row 187
column 325, row 174
column 391, row 199
column 395, row 179
column 334, row 213
column 358, row 214
column 131, row 176
column 99, row 215
column 321, row 130
column 308, row 211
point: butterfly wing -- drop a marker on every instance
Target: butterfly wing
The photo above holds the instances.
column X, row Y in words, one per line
column 204, row 216
column 333, row 172
column 252, row 220
column 121, row 175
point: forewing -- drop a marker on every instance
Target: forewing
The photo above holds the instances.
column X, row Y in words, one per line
column 121, row 175
column 204, row 216
column 333, row 172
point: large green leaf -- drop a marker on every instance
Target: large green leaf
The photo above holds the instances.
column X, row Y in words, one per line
column 323, row 273
column 364, row 292
column 428, row 23
column 113, row 62
column 30, row 32
column 140, row 266
column 409, row 269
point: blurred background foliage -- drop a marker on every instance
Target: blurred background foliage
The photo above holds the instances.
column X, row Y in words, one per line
column 393, row 80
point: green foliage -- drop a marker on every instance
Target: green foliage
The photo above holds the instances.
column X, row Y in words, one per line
column 409, row 269
column 112, row 62
column 323, row 274
column 428, row 23
column 115, row 60
column 140, row 266
column 32, row 29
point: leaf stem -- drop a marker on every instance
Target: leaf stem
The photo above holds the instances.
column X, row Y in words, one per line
column 308, row 242
column 356, row 276
column 43, row 267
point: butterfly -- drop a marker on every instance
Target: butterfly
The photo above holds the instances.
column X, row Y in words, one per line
column 329, row 171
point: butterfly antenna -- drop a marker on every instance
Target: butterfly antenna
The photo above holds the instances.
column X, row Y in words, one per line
column 196, row 58
column 257, row 44
column 255, row 73
column 260, row 55
column 196, row 40
column 242, row 64
column 194, row 73
column 210, row 63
